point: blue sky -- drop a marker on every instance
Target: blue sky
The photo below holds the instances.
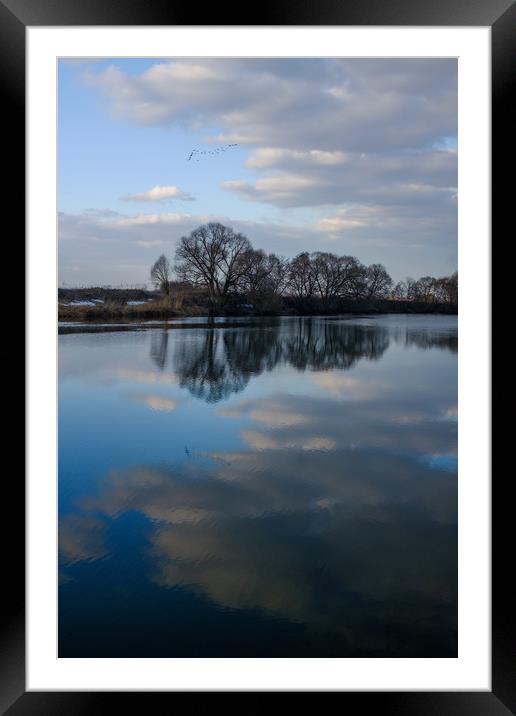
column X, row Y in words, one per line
column 353, row 156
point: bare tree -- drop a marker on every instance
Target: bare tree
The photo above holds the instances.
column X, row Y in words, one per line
column 160, row 274
column 328, row 274
column 214, row 257
column 255, row 280
column 336, row 276
column 277, row 268
column 399, row 292
column 452, row 288
column 412, row 289
column 428, row 289
column 301, row 277
column 425, row 289
column 265, row 274
column 378, row 281
column 446, row 289
column 357, row 280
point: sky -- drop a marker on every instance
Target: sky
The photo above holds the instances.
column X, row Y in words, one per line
column 352, row 156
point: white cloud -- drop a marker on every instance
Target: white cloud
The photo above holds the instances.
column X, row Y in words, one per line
column 340, row 223
column 300, row 104
column 280, row 189
column 354, row 216
column 160, row 193
column 150, row 243
column 144, row 219
column 425, row 180
column 272, row 157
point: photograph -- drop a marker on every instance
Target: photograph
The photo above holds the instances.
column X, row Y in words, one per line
column 259, row 436
column 257, row 308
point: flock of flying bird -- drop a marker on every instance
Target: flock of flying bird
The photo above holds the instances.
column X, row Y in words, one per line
column 218, row 150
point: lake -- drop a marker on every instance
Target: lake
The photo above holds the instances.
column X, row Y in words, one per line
column 262, row 488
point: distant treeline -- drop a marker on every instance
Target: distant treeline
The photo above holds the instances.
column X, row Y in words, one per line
column 218, row 272
column 230, row 272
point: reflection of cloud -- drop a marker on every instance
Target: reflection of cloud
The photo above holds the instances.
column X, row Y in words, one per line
column 319, row 443
column 262, row 441
column 271, row 412
column 279, row 418
column 336, row 515
column 158, row 403
column 378, row 424
column 448, row 463
column 259, row 441
column 410, row 418
column 340, row 385
column 81, row 538
column 245, row 484
column 144, row 376
column 63, row 578
column 451, row 413
column 317, row 538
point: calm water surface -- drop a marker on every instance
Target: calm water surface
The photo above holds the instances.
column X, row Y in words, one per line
column 268, row 488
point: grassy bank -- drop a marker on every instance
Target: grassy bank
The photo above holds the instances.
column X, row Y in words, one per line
column 163, row 309
column 152, row 310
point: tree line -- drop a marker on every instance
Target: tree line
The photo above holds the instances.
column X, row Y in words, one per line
column 428, row 289
column 224, row 265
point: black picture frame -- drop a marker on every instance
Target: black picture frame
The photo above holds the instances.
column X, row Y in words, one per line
column 500, row 16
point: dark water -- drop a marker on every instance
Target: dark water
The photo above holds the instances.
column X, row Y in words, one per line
column 281, row 488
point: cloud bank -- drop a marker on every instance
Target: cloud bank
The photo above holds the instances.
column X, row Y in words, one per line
column 353, row 105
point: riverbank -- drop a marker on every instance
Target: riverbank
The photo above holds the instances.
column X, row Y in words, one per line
column 160, row 309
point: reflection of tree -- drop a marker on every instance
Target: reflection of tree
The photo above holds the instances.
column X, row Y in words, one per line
column 221, row 361
column 253, row 350
column 426, row 338
column 204, row 368
column 329, row 345
column 159, row 345
column 213, row 363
